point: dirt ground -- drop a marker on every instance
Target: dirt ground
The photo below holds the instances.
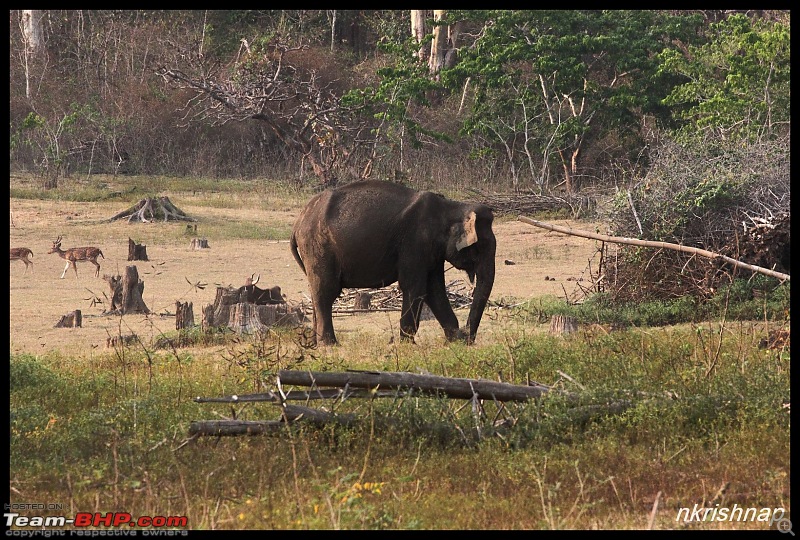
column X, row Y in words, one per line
column 544, row 263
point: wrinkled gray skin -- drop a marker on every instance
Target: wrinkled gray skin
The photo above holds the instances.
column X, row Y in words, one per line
column 373, row 233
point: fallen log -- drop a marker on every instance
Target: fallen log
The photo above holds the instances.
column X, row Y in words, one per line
column 654, row 244
column 223, row 428
column 302, row 395
column 426, row 384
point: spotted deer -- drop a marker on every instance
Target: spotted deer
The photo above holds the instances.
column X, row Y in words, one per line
column 22, row 254
column 77, row 254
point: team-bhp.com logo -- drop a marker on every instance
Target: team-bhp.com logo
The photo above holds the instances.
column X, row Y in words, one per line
column 95, row 519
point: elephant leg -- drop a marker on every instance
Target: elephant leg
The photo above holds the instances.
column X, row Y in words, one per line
column 324, row 291
column 441, row 308
column 409, row 318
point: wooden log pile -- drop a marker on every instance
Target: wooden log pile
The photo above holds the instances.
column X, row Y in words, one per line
column 533, row 203
column 391, row 298
column 350, row 385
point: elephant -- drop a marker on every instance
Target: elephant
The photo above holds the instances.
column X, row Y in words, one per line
column 372, row 233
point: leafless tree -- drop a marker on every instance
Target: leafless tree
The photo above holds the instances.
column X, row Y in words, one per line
column 303, row 108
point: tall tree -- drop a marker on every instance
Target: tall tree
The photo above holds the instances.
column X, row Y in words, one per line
column 552, row 81
column 737, row 85
column 32, row 35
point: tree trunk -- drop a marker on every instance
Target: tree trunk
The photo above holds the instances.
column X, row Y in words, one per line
column 70, row 320
column 152, row 208
column 438, row 45
column 126, row 293
column 229, row 311
column 184, row 315
column 563, row 324
column 426, row 384
column 418, row 32
column 32, row 35
column 362, row 300
column 136, row 252
column 198, row 243
column 333, row 30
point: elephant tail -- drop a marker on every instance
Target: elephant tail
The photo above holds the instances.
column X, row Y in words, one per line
column 293, row 244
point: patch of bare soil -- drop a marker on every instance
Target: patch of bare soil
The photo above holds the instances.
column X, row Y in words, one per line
column 531, row 262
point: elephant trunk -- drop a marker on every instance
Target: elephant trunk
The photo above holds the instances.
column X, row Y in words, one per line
column 483, row 287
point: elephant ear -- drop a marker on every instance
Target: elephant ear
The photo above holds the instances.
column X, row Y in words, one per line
column 467, row 235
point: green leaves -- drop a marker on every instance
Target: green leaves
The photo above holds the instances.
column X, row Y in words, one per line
column 736, row 85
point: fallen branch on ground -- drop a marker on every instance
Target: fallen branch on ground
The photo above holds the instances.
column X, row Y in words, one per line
column 655, row 244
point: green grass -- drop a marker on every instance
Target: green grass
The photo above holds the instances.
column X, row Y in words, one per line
column 109, row 432
column 759, row 298
column 672, row 397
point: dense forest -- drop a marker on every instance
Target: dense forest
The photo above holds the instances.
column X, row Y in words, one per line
column 680, row 118
column 523, row 99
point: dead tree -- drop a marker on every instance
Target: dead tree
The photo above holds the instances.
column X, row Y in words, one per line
column 126, row 293
column 184, row 315
column 152, row 209
column 563, row 324
column 70, row 320
column 425, row 384
column 363, row 299
column 198, row 243
column 233, row 311
column 136, row 252
column 302, row 107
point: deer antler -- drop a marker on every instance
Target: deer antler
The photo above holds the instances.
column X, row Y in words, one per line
column 58, row 240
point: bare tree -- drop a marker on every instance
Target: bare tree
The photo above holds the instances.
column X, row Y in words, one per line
column 299, row 105
column 418, row 32
column 31, row 23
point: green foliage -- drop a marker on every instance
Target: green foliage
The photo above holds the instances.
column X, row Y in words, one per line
column 643, row 403
column 401, row 85
column 554, row 77
column 758, row 298
column 737, row 85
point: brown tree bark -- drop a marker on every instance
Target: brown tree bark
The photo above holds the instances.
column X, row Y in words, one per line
column 184, row 315
column 70, row 320
column 563, row 324
column 418, row 32
column 427, row 384
column 136, row 252
column 126, row 293
column 438, row 45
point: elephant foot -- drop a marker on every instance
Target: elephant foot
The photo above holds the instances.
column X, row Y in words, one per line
column 407, row 338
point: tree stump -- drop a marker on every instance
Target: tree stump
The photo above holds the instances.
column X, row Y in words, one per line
column 228, row 310
column 198, row 243
column 184, row 315
column 70, row 320
column 563, row 324
column 126, row 293
column 244, row 319
column 150, row 209
column 115, row 284
column 136, row 252
column 362, row 300
column 120, row 341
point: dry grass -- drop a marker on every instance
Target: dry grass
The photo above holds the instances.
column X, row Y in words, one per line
column 39, row 298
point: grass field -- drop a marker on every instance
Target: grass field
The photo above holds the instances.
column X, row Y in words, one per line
column 96, row 429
